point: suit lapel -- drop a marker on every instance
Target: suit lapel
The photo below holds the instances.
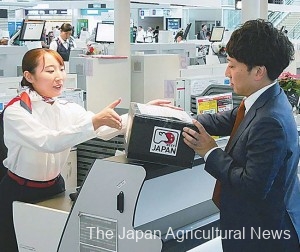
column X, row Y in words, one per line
column 260, row 102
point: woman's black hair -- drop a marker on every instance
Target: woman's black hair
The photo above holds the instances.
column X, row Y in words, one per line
column 66, row 27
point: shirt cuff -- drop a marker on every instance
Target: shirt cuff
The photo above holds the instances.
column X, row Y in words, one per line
column 106, row 133
column 207, row 153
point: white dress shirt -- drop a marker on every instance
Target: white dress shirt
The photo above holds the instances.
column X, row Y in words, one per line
column 39, row 143
column 140, row 36
column 249, row 101
column 65, row 43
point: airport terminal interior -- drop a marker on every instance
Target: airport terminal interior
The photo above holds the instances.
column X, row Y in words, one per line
column 137, row 51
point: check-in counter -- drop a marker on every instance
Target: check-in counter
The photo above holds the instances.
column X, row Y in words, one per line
column 140, row 206
column 184, row 49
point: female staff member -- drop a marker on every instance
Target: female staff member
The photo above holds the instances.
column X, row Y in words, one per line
column 39, row 131
column 64, row 42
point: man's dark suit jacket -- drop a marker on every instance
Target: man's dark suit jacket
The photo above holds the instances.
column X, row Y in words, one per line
column 260, row 188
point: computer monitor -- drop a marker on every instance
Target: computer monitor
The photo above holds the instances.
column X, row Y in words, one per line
column 105, row 33
column 186, row 31
column 3, row 13
column 173, row 23
column 217, row 34
column 32, row 30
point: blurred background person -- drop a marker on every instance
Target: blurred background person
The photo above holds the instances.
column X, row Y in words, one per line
column 155, row 34
column 64, row 43
column 202, row 34
column 134, row 31
column 179, row 37
column 50, row 37
column 56, row 31
column 208, row 35
column 140, row 35
column 149, row 35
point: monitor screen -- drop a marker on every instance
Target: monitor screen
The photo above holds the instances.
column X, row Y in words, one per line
column 105, row 33
column 173, row 23
column 217, row 34
column 3, row 13
column 32, row 30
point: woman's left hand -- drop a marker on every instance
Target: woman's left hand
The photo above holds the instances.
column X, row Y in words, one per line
column 163, row 103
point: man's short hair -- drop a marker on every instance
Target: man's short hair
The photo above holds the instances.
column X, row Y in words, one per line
column 259, row 43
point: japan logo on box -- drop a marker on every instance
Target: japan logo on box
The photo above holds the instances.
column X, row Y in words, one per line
column 165, row 141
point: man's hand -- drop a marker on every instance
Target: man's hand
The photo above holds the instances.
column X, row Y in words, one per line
column 200, row 142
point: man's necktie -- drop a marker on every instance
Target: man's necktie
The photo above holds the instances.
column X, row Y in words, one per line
column 239, row 117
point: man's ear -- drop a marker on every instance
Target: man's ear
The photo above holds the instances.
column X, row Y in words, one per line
column 28, row 76
column 261, row 72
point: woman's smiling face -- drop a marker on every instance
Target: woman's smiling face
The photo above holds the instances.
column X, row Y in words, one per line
column 48, row 77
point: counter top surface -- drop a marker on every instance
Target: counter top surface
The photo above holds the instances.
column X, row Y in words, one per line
column 61, row 201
